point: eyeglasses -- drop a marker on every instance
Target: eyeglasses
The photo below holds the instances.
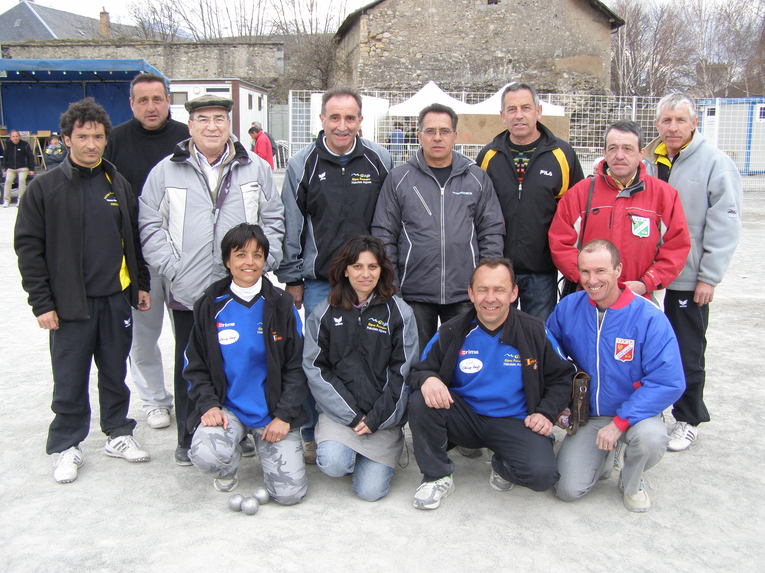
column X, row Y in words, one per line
column 432, row 131
column 218, row 120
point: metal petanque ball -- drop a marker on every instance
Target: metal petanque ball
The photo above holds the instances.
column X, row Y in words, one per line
column 250, row 505
column 261, row 494
column 235, row 502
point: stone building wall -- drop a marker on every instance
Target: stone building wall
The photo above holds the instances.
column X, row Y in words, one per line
column 261, row 63
column 556, row 45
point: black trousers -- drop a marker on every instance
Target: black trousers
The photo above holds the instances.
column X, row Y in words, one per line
column 183, row 322
column 689, row 322
column 520, row 456
column 104, row 338
column 427, row 315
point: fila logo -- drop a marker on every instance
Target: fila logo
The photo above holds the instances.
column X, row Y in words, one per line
column 338, row 320
column 322, row 176
column 545, row 172
column 683, row 303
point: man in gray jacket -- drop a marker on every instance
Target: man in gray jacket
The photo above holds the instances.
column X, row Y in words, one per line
column 709, row 186
column 190, row 200
column 438, row 216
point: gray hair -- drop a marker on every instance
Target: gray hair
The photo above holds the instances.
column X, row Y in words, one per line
column 516, row 87
column 672, row 101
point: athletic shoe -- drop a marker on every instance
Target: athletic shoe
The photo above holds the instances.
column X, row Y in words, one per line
column 158, row 418
column 182, row 456
column 499, row 483
column 247, row 446
column 127, row 448
column 67, row 464
column 470, row 452
column 682, row 437
column 225, row 484
column 639, row 502
column 309, row 452
column 430, row 493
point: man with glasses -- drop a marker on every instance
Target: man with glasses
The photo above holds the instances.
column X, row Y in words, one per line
column 209, row 184
column 438, row 216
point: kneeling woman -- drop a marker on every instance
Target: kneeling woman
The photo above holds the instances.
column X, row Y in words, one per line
column 358, row 350
column 245, row 374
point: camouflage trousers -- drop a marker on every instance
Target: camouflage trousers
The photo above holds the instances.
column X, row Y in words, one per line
column 216, row 451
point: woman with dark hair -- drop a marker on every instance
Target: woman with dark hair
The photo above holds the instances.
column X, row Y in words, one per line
column 244, row 369
column 359, row 347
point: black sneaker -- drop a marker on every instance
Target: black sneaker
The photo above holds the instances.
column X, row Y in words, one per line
column 182, row 456
column 247, row 446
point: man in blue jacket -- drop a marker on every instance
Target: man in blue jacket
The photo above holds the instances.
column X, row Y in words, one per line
column 626, row 344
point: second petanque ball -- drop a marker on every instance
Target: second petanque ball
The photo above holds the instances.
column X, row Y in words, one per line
column 250, row 505
column 235, row 502
column 261, row 494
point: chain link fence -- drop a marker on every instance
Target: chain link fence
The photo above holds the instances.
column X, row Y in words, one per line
column 737, row 126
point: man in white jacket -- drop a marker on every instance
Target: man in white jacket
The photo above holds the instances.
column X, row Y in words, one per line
column 709, row 186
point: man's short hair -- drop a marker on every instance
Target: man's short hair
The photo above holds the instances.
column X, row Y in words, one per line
column 493, row 263
column 672, row 101
column 238, row 236
column 257, row 126
column 516, row 87
column 149, row 78
column 625, row 126
column 337, row 92
column 603, row 244
column 84, row 111
column 437, row 108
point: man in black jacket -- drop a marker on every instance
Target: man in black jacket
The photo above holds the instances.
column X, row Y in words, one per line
column 491, row 378
column 18, row 161
column 80, row 261
column 135, row 147
column 531, row 170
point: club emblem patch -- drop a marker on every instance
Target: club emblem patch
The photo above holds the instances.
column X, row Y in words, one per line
column 641, row 226
column 624, row 350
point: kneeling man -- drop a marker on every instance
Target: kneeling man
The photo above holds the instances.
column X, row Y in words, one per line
column 493, row 378
column 628, row 347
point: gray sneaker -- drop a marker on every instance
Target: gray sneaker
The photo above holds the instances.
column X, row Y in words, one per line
column 430, row 493
column 68, row 463
column 470, row 452
column 181, row 456
column 158, row 418
column 499, row 483
column 639, row 502
column 225, row 484
column 247, row 446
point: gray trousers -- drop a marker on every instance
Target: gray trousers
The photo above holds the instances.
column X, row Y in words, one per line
column 216, row 451
column 581, row 463
column 145, row 356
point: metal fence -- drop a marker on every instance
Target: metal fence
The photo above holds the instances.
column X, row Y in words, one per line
column 737, row 126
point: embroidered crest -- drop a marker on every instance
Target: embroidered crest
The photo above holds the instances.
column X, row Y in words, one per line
column 625, row 349
column 641, row 226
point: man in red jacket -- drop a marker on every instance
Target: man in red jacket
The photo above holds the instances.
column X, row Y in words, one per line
column 261, row 144
column 641, row 215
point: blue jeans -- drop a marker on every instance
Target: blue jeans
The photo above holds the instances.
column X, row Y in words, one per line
column 371, row 480
column 537, row 293
column 314, row 293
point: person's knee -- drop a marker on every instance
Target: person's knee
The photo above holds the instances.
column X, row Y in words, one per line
column 541, row 477
column 649, row 444
column 567, row 490
column 416, row 405
column 291, row 495
column 332, row 466
column 371, row 490
column 208, row 457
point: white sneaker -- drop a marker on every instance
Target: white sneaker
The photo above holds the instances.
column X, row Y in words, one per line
column 682, row 437
column 430, row 493
column 127, row 448
column 158, row 418
column 639, row 502
column 225, row 484
column 67, row 464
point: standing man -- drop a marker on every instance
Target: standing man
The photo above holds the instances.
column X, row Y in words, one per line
column 639, row 214
column 438, row 216
column 261, row 143
column 329, row 194
column 709, row 186
column 209, row 184
column 627, row 346
column 531, row 170
column 80, row 262
column 135, row 147
column 491, row 377
column 18, row 160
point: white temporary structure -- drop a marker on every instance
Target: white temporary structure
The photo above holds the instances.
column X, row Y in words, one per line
column 428, row 94
column 493, row 104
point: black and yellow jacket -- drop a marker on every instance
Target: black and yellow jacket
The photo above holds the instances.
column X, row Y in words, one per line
column 528, row 209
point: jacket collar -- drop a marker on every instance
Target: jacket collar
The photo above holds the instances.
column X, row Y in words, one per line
column 69, row 171
column 625, row 298
column 182, row 153
column 358, row 149
column 460, row 163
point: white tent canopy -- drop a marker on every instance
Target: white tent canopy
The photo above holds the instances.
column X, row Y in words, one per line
column 493, row 104
column 428, row 94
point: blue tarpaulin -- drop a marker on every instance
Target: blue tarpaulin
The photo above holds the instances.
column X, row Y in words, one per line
column 34, row 93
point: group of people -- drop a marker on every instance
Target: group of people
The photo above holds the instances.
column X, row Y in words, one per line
column 410, row 278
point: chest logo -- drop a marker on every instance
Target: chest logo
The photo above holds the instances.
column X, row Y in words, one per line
column 624, row 350
column 322, row 176
column 360, row 178
column 471, row 365
column 545, row 172
column 338, row 320
column 641, row 226
column 377, row 325
column 227, row 336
